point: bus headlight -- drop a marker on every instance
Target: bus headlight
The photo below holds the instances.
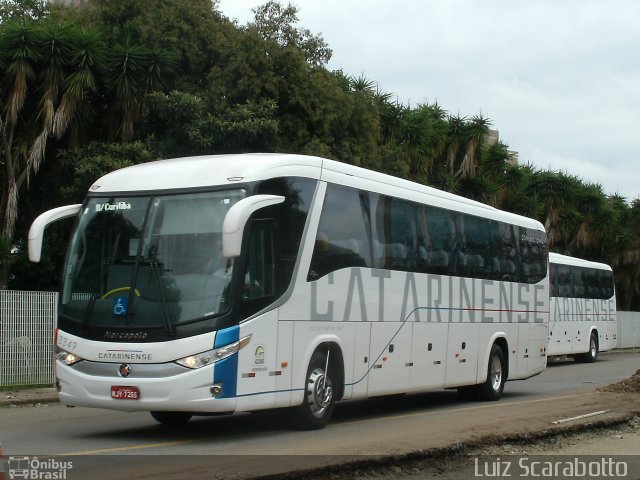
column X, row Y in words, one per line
column 211, row 356
column 65, row 357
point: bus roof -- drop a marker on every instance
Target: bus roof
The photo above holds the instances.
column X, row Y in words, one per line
column 228, row 170
column 576, row 262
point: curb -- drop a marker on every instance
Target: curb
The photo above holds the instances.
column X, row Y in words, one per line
column 11, row 399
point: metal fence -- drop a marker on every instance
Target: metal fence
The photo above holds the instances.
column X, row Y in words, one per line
column 628, row 329
column 27, row 321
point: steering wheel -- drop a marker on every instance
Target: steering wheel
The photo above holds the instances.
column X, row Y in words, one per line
column 118, row 290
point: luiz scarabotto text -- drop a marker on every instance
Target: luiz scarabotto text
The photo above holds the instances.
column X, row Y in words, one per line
column 550, row 467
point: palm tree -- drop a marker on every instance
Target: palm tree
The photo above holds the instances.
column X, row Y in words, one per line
column 556, row 191
column 21, row 47
column 475, row 133
column 5, row 251
column 134, row 71
column 362, row 84
column 391, row 115
column 591, row 203
column 423, row 139
column 50, row 74
column 454, row 140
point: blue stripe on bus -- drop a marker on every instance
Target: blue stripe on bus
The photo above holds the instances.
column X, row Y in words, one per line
column 226, row 371
column 227, row 336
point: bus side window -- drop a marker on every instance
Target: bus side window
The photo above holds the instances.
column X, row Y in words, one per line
column 440, row 230
column 342, row 240
column 477, row 246
column 606, row 284
column 553, row 280
column 565, row 288
column 534, row 255
column 290, row 218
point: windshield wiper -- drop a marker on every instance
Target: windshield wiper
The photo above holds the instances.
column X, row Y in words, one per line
column 89, row 310
column 162, row 301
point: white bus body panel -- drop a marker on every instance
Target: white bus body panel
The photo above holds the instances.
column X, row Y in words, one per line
column 572, row 320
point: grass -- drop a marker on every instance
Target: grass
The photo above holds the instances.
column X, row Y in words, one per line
column 9, row 388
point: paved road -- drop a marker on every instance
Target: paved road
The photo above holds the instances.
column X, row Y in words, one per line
column 134, row 444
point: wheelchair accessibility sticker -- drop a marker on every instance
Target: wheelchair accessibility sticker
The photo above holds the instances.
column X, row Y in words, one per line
column 120, row 306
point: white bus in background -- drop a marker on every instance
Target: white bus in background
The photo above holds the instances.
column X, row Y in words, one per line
column 246, row 282
column 582, row 321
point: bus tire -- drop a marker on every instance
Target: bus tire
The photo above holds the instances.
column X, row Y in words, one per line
column 493, row 386
column 592, row 354
column 319, row 395
column 171, row 419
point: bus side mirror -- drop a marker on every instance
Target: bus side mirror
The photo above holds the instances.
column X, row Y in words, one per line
column 236, row 219
column 36, row 232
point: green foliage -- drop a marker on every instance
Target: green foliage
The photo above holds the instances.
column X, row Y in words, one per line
column 168, row 120
column 86, row 165
column 276, row 23
column 243, row 128
column 133, row 71
column 55, row 75
column 179, row 124
column 193, row 29
column 5, row 251
column 23, row 10
column 113, row 83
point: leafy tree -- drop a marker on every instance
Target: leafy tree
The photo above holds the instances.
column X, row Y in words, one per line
column 276, row 23
column 193, row 29
column 23, row 10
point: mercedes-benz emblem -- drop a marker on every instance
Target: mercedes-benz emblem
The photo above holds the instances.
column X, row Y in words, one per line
column 124, row 370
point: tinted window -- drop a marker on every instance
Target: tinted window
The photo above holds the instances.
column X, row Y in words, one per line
column 477, row 252
column 274, row 242
column 534, row 255
column 290, row 218
column 395, row 236
column 408, row 236
column 579, row 282
column 342, row 240
column 442, row 229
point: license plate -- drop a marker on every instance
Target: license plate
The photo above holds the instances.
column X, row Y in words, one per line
column 125, row 393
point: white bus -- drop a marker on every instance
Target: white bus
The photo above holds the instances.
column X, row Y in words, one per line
column 582, row 318
column 244, row 282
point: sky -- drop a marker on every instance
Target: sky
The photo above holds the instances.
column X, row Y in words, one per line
column 559, row 79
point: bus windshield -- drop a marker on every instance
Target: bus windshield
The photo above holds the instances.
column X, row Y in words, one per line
column 148, row 262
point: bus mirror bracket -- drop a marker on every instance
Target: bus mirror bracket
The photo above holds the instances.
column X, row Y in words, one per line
column 36, row 232
column 236, row 219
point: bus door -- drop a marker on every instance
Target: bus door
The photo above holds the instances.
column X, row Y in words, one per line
column 258, row 371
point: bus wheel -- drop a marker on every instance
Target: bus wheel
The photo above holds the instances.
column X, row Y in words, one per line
column 319, row 395
column 493, row 386
column 171, row 419
column 591, row 355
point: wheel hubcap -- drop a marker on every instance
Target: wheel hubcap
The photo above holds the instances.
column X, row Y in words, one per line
column 319, row 392
column 496, row 373
column 593, row 347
